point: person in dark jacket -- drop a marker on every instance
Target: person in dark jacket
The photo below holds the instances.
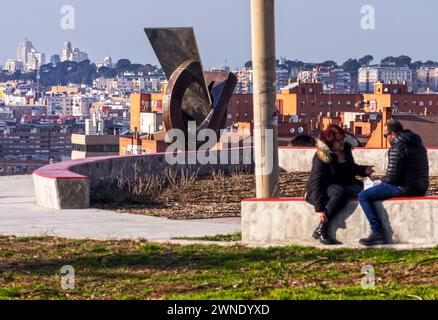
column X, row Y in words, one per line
column 407, row 176
column 333, row 178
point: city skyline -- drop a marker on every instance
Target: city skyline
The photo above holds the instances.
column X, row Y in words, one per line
column 119, row 33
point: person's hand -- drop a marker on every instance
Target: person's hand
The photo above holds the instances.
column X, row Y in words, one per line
column 323, row 217
column 369, row 171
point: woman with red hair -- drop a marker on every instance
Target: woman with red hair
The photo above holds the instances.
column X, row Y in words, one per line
column 333, row 178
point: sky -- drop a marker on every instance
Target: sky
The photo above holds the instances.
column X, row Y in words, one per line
column 308, row 30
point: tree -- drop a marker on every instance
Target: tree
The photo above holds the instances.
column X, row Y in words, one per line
column 430, row 63
column 248, row 64
column 123, row 65
column 366, row 60
column 404, row 61
column 351, row 65
column 107, row 72
column 416, row 64
column 400, row 61
column 67, row 72
column 329, row 63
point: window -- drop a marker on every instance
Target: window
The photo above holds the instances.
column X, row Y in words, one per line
column 246, row 114
column 421, row 103
column 322, row 103
column 348, row 103
column 229, row 116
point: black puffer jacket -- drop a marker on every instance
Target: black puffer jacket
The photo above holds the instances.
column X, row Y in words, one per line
column 408, row 165
column 326, row 171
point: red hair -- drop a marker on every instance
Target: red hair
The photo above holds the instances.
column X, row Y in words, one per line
column 328, row 136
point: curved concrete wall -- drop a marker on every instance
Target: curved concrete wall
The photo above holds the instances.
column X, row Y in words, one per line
column 298, row 159
column 67, row 185
column 292, row 221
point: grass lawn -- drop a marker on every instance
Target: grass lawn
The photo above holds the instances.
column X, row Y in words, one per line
column 30, row 269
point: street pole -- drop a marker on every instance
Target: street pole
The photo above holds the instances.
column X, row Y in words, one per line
column 264, row 80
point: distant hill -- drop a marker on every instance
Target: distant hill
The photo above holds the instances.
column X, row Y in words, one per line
column 79, row 73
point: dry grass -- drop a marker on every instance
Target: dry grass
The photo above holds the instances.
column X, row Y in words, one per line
column 190, row 196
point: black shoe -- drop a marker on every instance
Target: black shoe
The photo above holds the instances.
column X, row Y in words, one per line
column 321, row 234
column 375, row 238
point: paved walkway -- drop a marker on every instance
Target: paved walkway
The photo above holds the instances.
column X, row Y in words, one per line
column 21, row 216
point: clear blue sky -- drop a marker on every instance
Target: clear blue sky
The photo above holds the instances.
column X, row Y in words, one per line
column 309, row 30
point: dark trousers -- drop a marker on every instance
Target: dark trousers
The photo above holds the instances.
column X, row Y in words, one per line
column 338, row 198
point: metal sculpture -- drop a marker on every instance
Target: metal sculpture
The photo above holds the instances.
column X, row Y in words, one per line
column 191, row 93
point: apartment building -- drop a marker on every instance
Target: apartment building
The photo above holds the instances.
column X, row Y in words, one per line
column 368, row 76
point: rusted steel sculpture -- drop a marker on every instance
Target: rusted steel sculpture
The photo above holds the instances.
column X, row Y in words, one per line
column 191, row 93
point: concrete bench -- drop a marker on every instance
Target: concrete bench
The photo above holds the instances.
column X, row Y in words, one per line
column 288, row 221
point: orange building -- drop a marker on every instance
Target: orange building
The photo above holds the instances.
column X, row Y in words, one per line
column 308, row 99
column 149, row 107
column 157, row 98
column 377, row 139
column 64, row 89
column 128, row 145
column 140, row 102
column 398, row 96
column 363, row 128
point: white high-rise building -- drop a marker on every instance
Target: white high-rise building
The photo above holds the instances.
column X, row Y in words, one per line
column 66, row 52
column 78, row 55
column 244, row 81
column 60, row 105
column 108, row 62
column 282, row 76
column 24, row 48
column 12, row 65
column 334, row 80
column 368, row 76
column 73, row 54
column 35, row 60
column 29, row 57
column 82, row 105
column 428, row 78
